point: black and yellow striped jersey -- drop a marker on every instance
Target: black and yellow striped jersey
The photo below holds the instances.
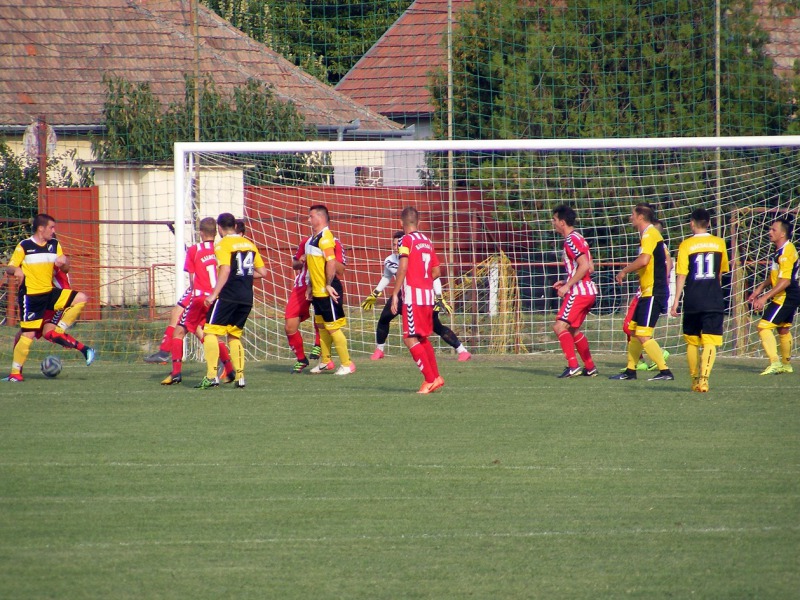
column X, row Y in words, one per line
column 653, row 276
column 242, row 256
column 785, row 265
column 37, row 263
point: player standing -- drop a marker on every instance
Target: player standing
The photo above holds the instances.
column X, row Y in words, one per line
column 419, row 266
column 33, row 263
column 578, row 293
column 201, row 265
column 651, row 267
column 390, row 265
column 298, row 308
column 780, row 303
column 231, row 301
column 702, row 259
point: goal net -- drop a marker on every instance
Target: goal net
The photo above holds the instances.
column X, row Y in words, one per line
column 487, row 205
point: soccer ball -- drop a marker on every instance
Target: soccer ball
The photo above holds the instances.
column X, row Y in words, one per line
column 51, row 366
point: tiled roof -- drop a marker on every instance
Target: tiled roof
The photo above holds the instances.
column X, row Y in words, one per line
column 54, row 53
column 392, row 77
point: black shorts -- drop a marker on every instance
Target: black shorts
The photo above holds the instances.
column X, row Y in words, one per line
column 647, row 312
column 779, row 314
column 224, row 313
column 696, row 324
column 32, row 307
column 327, row 308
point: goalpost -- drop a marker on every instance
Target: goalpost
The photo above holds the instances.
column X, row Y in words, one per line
column 487, row 205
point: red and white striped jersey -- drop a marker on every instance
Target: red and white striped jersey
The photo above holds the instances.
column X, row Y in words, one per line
column 418, row 283
column 575, row 246
column 201, row 264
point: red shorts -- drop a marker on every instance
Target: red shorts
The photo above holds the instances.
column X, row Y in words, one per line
column 417, row 320
column 195, row 315
column 186, row 299
column 298, row 306
column 574, row 309
column 626, row 324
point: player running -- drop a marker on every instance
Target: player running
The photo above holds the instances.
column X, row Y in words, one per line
column 390, row 265
column 578, row 293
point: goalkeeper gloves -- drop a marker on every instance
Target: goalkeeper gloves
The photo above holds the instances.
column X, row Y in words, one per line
column 369, row 301
column 441, row 304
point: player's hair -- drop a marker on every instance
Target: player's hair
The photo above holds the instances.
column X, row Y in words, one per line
column 397, row 235
column 410, row 216
column 226, row 221
column 208, row 226
column 787, row 222
column 565, row 213
column 643, row 209
column 321, row 209
column 240, row 226
column 41, row 220
column 701, row 217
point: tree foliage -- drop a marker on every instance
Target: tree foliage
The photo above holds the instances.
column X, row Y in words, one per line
column 324, row 38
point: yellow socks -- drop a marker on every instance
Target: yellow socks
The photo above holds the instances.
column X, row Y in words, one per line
column 634, row 351
column 769, row 344
column 693, row 358
column 340, row 341
column 71, row 315
column 785, row 340
column 325, row 343
column 655, row 353
column 21, row 350
column 211, row 347
column 707, row 362
column 237, row 355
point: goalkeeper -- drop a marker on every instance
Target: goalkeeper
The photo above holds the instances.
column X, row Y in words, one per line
column 390, row 265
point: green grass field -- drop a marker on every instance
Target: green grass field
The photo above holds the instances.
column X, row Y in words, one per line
column 507, row 484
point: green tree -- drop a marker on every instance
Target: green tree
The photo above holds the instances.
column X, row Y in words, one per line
column 323, row 37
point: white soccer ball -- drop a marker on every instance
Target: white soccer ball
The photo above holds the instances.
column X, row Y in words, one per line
column 51, row 366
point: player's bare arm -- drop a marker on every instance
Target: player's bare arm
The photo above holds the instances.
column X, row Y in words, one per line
column 330, row 273
column 641, row 261
column 259, row 272
column 680, row 282
column 761, row 301
column 584, row 267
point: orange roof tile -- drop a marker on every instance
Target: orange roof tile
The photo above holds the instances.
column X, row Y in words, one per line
column 53, row 55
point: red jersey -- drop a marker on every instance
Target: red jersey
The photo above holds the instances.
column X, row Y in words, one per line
column 301, row 277
column 201, row 264
column 575, row 246
column 421, row 255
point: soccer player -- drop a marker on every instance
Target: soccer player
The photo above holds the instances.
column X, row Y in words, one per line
column 33, row 263
column 418, row 268
column 779, row 304
column 326, row 293
column 230, row 302
column 651, row 267
column 702, row 259
column 390, row 265
column 299, row 305
column 201, row 265
column 578, row 293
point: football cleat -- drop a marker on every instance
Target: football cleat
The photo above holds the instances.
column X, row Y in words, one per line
column 14, row 378
column 786, row 368
column 172, row 379
column 702, row 385
column 89, row 354
column 437, row 383
column 322, row 367
column 315, row 352
column 695, row 383
column 240, row 384
column 775, row 368
column 570, row 372
column 161, row 357
column 665, row 375
column 228, row 377
column 464, row 356
column 626, row 375
column 299, row 366
column 377, row 355
column 426, row 388
column 589, row 372
column 346, row 370
column 207, row 383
